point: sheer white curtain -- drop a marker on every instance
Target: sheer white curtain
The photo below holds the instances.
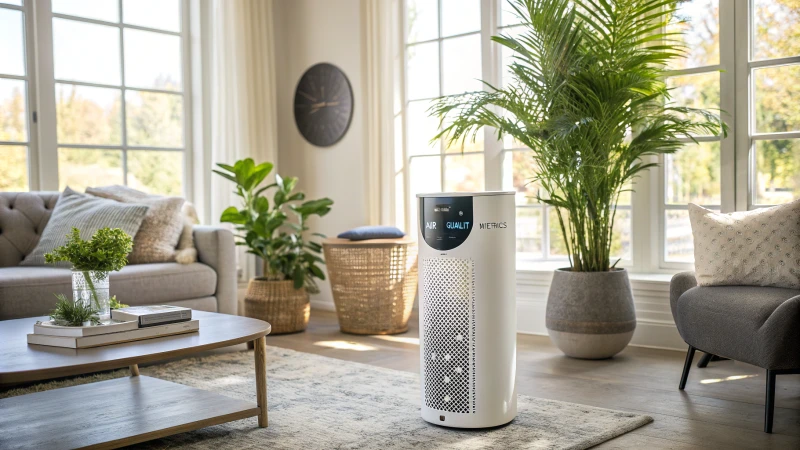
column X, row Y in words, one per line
column 243, row 106
column 379, row 32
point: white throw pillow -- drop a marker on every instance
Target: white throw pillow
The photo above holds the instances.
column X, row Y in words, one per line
column 749, row 248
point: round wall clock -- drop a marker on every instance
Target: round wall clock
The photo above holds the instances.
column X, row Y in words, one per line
column 323, row 105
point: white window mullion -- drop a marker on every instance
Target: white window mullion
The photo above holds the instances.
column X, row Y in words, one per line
column 46, row 160
column 440, row 61
column 188, row 111
column 742, row 101
column 123, row 112
column 34, row 180
column 492, row 70
column 727, row 56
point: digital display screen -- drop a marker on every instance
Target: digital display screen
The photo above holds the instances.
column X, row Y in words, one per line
column 445, row 222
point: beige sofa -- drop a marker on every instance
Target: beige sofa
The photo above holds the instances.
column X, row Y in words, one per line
column 208, row 285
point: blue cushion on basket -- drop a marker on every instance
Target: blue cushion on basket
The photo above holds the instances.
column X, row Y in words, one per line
column 372, row 232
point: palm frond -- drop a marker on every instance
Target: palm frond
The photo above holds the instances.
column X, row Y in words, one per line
column 588, row 98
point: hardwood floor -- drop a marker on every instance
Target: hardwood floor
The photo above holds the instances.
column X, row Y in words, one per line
column 722, row 406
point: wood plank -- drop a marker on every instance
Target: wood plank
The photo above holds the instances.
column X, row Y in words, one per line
column 261, row 380
column 112, row 414
column 20, row 362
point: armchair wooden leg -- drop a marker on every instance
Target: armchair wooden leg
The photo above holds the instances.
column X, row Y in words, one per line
column 769, row 404
column 134, row 370
column 686, row 366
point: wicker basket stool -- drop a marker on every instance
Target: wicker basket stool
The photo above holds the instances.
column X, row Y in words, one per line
column 285, row 308
column 373, row 282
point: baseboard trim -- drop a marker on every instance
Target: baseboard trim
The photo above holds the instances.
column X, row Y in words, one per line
column 655, row 327
column 322, row 305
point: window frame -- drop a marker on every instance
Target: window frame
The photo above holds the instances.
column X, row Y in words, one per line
column 43, row 150
column 493, row 149
column 648, row 206
column 28, row 43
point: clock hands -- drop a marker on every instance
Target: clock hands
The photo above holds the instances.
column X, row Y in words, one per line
column 317, row 106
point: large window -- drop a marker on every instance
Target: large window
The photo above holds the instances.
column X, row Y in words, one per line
column 773, row 82
column 743, row 58
column 693, row 174
column 443, row 57
column 15, row 135
column 111, row 85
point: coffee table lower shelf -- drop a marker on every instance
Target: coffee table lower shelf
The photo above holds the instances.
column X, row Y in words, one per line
column 112, row 414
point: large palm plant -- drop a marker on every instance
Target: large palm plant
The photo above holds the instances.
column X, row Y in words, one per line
column 588, row 98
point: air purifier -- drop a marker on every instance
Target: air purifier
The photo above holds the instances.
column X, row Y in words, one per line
column 467, row 308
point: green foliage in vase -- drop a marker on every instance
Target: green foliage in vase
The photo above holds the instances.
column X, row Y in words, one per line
column 73, row 314
column 106, row 251
column 115, row 304
column 588, row 98
column 266, row 229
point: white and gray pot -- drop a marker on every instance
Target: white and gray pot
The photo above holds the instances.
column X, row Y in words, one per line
column 590, row 315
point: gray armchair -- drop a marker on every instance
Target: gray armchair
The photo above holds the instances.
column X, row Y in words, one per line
column 207, row 285
column 755, row 325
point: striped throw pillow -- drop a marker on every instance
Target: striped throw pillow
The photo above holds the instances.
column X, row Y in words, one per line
column 88, row 214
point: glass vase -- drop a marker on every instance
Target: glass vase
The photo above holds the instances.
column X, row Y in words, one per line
column 91, row 288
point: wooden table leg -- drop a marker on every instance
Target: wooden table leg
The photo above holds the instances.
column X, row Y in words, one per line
column 261, row 379
column 134, row 370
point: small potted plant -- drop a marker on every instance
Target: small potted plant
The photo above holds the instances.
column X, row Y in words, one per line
column 290, row 262
column 92, row 261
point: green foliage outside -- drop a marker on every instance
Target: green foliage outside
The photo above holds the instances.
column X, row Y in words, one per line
column 153, row 119
column 585, row 74
column 73, row 314
column 266, row 229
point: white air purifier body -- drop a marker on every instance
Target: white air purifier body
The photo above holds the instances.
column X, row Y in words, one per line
column 468, row 316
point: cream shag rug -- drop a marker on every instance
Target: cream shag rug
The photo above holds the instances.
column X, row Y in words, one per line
column 317, row 402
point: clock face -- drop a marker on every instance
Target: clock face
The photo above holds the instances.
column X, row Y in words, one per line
column 323, row 105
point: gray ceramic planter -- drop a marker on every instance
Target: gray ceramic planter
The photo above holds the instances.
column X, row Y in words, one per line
column 590, row 315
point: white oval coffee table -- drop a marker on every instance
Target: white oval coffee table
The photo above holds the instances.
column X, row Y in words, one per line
column 122, row 411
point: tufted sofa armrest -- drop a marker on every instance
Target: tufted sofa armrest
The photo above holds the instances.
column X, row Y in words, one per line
column 216, row 249
column 680, row 283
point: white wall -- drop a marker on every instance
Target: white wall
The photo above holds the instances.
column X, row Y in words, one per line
column 308, row 32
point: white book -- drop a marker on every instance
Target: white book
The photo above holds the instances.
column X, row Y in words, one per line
column 115, row 338
column 152, row 315
column 50, row 328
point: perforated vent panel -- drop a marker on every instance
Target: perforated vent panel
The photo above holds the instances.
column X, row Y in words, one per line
column 449, row 334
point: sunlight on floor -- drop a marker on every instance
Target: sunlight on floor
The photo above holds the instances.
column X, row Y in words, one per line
column 346, row 345
column 730, row 378
column 402, row 340
column 231, row 380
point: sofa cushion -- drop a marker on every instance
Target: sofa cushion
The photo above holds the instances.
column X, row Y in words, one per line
column 161, row 227
column 23, row 217
column 28, row 291
column 756, row 325
column 88, row 214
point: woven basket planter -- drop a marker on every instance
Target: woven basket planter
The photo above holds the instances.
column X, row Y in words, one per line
column 285, row 308
column 374, row 283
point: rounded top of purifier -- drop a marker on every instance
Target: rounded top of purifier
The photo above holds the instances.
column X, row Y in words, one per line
column 464, row 194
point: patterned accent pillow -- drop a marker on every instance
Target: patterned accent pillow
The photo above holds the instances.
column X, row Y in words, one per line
column 161, row 228
column 88, row 214
column 749, row 248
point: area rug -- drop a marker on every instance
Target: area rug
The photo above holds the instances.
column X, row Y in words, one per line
column 317, row 402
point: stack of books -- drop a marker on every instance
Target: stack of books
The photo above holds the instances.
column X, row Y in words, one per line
column 127, row 324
